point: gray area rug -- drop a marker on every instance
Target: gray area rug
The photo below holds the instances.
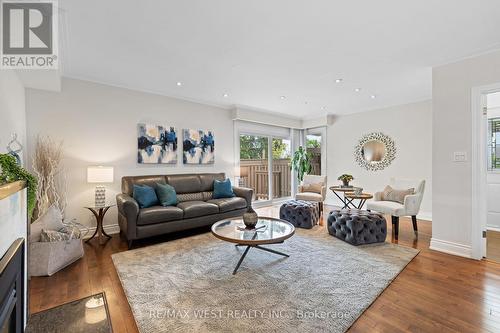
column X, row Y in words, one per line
column 187, row 285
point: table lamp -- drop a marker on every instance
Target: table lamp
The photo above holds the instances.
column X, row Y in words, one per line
column 100, row 175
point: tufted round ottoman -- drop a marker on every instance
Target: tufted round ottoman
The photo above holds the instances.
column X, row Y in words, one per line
column 357, row 226
column 302, row 214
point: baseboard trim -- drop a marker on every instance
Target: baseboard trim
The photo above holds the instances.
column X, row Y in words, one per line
column 110, row 229
column 456, row 249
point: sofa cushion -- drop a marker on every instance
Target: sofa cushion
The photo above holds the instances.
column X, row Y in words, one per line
column 145, row 195
column 166, row 194
column 228, row 204
column 198, row 208
column 196, row 196
column 207, row 180
column 128, row 182
column 185, row 183
column 223, row 189
column 159, row 214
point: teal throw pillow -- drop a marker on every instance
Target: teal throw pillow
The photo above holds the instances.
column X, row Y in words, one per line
column 223, row 189
column 145, row 195
column 166, row 194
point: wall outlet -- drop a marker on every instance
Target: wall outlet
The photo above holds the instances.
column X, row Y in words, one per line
column 459, row 156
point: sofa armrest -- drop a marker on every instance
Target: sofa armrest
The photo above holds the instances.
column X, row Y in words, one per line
column 245, row 193
column 300, row 188
column 128, row 207
column 377, row 196
column 412, row 204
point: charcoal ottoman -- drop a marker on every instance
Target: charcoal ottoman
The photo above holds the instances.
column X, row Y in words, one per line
column 302, row 214
column 357, row 227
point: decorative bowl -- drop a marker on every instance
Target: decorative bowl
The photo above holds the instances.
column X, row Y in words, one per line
column 358, row 190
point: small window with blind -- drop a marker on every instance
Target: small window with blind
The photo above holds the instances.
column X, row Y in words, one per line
column 494, row 144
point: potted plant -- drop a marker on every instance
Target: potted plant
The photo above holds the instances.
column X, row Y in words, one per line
column 345, row 178
column 301, row 162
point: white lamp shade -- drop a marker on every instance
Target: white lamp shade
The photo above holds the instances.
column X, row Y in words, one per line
column 100, row 174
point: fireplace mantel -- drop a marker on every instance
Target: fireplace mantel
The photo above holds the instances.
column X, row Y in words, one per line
column 6, row 190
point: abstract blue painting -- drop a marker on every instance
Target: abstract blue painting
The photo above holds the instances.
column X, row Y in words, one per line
column 198, row 147
column 156, row 144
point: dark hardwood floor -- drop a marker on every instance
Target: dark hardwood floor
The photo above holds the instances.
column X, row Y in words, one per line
column 436, row 292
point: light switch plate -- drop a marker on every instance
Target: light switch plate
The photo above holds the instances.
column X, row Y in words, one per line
column 459, row 156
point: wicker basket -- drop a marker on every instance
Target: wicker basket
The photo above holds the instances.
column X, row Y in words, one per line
column 47, row 258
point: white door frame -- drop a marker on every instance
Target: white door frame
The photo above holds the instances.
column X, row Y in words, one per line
column 479, row 169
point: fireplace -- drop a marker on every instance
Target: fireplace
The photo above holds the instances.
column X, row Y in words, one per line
column 12, row 290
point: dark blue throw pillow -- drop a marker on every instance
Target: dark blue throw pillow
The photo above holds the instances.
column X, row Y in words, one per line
column 223, row 189
column 166, row 194
column 145, row 196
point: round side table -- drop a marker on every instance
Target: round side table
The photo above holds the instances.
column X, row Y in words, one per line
column 351, row 196
column 99, row 212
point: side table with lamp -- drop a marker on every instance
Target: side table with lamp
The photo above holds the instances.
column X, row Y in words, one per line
column 99, row 175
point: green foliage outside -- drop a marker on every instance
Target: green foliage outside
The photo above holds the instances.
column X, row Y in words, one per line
column 313, row 143
column 256, row 148
column 11, row 172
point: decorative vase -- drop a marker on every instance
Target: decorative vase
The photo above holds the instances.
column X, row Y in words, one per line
column 250, row 218
column 345, row 183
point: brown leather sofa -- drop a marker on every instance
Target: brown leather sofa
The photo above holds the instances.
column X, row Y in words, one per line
column 196, row 206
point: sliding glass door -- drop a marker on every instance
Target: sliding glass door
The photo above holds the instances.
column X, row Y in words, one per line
column 265, row 166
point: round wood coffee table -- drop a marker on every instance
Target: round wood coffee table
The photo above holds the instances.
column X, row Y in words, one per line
column 267, row 231
column 351, row 196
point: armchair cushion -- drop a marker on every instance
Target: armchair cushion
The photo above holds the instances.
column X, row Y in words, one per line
column 315, row 188
column 387, row 207
column 391, row 194
column 309, row 196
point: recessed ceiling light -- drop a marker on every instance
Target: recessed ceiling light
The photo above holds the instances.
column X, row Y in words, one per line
column 179, row 84
column 338, row 80
column 373, row 96
column 282, row 97
column 357, row 89
column 306, row 102
column 225, row 95
column 323, row 108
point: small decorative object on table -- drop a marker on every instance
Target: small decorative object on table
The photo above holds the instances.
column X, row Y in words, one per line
column 358, row 190
column 346, row 178
column 250, row 218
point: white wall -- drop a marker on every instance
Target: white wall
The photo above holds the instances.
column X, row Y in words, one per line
column 98, row 124
column 410, row 126
column 452, row 132
column 12, row 109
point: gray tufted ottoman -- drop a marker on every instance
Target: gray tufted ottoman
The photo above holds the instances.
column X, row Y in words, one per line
column 357, row 226
column 302, row 214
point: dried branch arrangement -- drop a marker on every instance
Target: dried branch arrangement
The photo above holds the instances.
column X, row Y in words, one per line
column 50, row 173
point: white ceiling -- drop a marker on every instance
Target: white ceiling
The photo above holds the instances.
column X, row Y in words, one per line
column 257, row 51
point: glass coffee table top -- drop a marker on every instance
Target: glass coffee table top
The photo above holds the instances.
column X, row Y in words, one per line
column 267, row 231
